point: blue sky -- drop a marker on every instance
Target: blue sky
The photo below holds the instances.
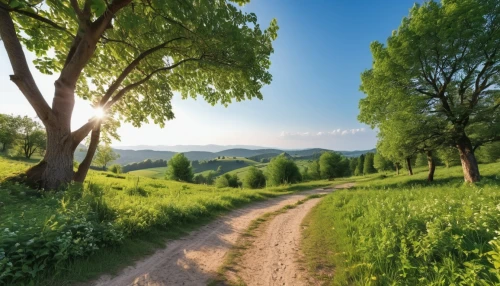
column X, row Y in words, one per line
column 322, row 48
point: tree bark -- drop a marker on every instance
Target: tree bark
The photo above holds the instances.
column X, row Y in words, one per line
column 397, row 168
column 432, row 166
column 83, row 169
column 408, row 165
column 55, row 170
column 468, row 160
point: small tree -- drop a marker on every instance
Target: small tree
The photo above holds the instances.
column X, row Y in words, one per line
column 8, row 130
column 329, row 165
column 381, row 163
column 211, row 177
column 254, row 179
column 179, row 169
column 116, row 168
column 368, row 164
column 31, row 136
column 314, row 171
column 282, row 170
column 200, row 179
column 104, row 156
column 360, row 165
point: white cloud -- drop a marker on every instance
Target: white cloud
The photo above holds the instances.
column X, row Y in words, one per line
column 335, row 132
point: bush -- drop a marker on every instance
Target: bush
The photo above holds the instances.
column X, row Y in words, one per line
column 227, row 180
column 254, row 179
column 282, row 170
column 179, row 169
column 116, row 168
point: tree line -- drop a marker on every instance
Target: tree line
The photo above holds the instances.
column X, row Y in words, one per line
column 434, row 87
column 21, row 136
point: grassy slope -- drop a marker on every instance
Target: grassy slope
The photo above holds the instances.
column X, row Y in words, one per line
column 229, row 165
column 403, row 230
column 145, row 210
column 157, row 173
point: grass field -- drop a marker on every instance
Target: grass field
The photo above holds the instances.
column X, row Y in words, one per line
column 156, row 173
column 401, row 230
column 59, row 238
column 229, row 165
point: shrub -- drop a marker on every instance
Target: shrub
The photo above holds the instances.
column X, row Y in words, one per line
column 254, row 179
column 116, row 168
column 282, row 170
column 227, row 180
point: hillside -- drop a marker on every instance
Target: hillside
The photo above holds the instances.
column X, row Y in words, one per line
column 134, row 156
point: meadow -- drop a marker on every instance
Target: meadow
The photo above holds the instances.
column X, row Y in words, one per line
column 110, row 220
column 402, row 230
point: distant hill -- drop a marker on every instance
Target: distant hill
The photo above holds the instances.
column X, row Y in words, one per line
column 188, row 148
column 134, row 156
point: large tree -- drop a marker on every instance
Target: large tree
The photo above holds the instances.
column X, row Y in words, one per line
column 127, row 57
column 445, row 56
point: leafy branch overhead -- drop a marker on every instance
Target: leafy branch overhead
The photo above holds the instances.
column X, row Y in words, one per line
column 129, row 56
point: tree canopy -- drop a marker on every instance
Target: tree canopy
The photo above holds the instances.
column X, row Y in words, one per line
column 179, row 169
column 439, row 72
column 202, row 48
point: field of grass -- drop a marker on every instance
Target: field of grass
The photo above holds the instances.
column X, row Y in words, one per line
column 59, row 238
column 157, row 173
column 229, row 165
column 401, row 230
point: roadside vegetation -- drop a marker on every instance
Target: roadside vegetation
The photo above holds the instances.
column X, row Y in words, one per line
column 394, row 230
column 44, row 233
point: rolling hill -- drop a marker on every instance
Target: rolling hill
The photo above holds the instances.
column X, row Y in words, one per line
column 133, row 156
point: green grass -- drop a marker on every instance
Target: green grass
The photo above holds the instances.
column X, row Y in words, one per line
column 402, row 230
column 108, row 222
column 157, row 173
column 229, row 165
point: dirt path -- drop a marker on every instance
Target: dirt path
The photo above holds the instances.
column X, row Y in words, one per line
column 194, row 259
column 272, row 258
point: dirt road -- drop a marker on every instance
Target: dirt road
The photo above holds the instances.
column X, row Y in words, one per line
column 194, row 259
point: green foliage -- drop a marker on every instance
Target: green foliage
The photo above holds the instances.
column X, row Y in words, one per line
column 179, row 169
column 421, row 160
column 435, row 83
column 403, row 231
column 314, row 171
column 381, row 163
column 330, row 165
column 489, row 153
column 116, row 168
column 368, row 164
column 104, row 156
column 282, row 170
column 42, row 233
column 449, row 156
column 254, row 179
column 228, row 181
column 360, row 165
column 8, row 131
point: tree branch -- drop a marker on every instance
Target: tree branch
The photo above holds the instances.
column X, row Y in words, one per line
column 131, row 86
column 116, row 84
column 41, row 19
column 22, row 75
column 82, row 132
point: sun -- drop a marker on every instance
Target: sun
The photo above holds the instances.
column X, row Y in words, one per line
column 99, row 112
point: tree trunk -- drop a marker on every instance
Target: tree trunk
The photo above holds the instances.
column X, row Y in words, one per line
column 56, row 168
column 397, row 168
column 468, row 160
column 432, row 166
column 408, row 165
column 83, row 169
